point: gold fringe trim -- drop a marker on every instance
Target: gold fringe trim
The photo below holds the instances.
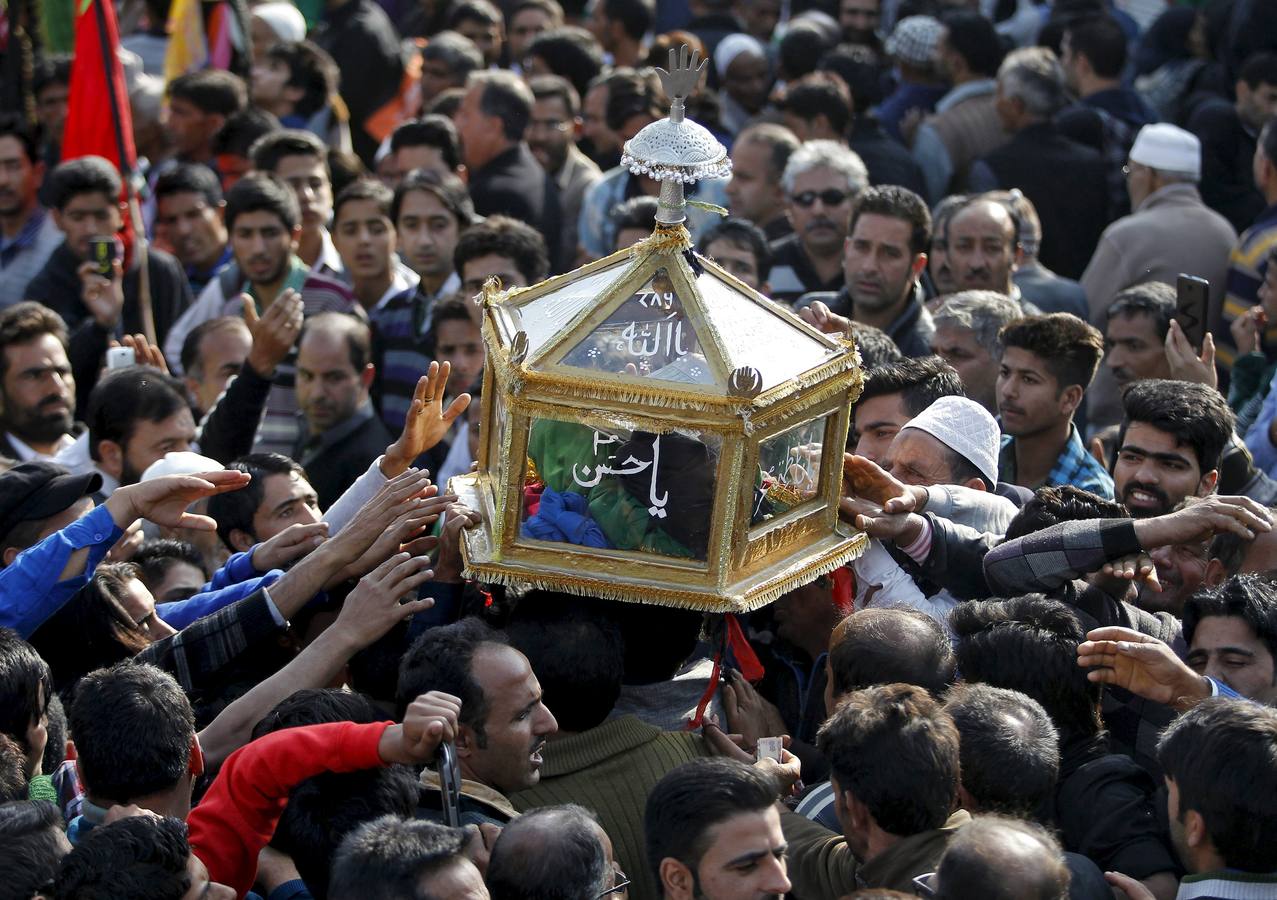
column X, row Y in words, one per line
column 767, row 591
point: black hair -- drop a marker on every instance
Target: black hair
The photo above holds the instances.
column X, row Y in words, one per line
column 974, row 38
column 1070, row 348
column 309, row 68
column 896, row 751
column 636, row 212
column 861, row 69
column 1268, row 141
column 556, row 87
column 30, row 851
column 190, row 354
column 576, row 652
column 1222, row 757
column 189, row 178
column 448, row 189
column 262, row 192
column 215, row 91
column 474, row 11
column 364, row 189
column 24, row 322
column 244, row 129
column 1152, row 298
column 820, row 94
column 691, row 799
column 1010, row 750
column 632, row 93
column 1249, row 597
column 635, row 16
column 13, row 770
column 976, row 862
column 13, row 126
column 133, row 729
column 1258, row 69
column 1102, row 41
column 157, row 556
column 235, row 510
column 780, row 140
column 800, row 50
column 1029, row 644
column 1063, row 503
column 105, row 632
column 456, row 51
column 139, row 857
column 50, row 70
column 890, row 646
column 898, row 203
column 124, row 397
column 271, row 148
column 744, row 234
column 560, row 856
column 323, row 809
column 442, row 659
column 571, row 52
column 507, row 97
column 388, row 858
column 83, row 175
column 356, row 332
column 1193, row 414
column 344, row 168
column 875, row 345
column 509, row 238
column 430, row 131
column 920, row 381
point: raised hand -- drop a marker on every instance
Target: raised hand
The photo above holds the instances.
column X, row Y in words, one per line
column 1142, row 665
column 291, row 544
column 1184, row 362
column 144, row 352
column 864, row 479
column 1203, row 518
column 1248, row 330
column 430, row 720
column 274, row 331
column 427, row 421
column 164, row 500
column 374, row 606
column 413, row 519
column 748, row 712
column 406, row 491
column 103, row 297
column 823, row 319
column 449, row 566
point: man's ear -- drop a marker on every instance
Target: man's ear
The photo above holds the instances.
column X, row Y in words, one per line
column 919, row 263
column 677, row 879
column 367, row 375
column 241, row 540
column 9, row 555
column 111, row 458
column 1071, row 398
column 1195, row 833
column 1215, row 573
column 466, row 743
column 1208, row 483
column 976, row 484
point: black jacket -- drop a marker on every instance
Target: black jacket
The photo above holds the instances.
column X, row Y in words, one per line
column 335, row 459
column 58, row 287
column 514, row 184
column 1066, row 183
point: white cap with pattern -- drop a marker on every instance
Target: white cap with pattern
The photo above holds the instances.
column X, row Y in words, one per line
column 966, row 428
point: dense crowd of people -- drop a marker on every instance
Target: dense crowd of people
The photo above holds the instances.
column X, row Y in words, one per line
column 239, row 651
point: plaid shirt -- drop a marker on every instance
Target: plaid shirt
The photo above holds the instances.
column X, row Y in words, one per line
column 1075, row 466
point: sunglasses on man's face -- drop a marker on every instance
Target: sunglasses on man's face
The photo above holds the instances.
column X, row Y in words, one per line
column 828, row 198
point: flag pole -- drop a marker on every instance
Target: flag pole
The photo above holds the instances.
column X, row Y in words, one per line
column 110, row 60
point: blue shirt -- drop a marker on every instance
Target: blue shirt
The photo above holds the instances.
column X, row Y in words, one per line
column 1074, row 466
column 29, row 590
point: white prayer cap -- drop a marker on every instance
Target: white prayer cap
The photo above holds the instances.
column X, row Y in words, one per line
column 284, row 19
column 181, row 462
column 966, row 428
column 1168, row 149
column 733, row 46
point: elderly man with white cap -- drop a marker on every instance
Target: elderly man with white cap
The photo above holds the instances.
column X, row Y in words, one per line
column 1169, row 231
column 745, row 75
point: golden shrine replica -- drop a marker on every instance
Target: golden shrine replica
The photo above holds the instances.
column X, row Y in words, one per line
column 652, row 427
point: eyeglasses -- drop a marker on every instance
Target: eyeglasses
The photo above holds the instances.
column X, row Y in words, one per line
column 828, row 198
column 620, row 881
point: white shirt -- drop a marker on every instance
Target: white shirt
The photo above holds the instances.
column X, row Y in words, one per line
column 76, row 458
column 26, row 452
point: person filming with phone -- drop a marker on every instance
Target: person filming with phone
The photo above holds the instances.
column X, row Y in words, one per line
column 87, row 280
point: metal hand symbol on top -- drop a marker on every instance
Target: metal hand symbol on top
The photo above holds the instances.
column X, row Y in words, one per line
column 682, row 77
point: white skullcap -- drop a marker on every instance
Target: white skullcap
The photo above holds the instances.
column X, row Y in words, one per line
column 966, row 428
column 181, row 462
column 915, row 40
column 733, row 46
column 284, row 19
column 1168, row 149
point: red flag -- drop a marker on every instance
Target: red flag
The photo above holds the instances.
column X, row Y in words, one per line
column 99, row 121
